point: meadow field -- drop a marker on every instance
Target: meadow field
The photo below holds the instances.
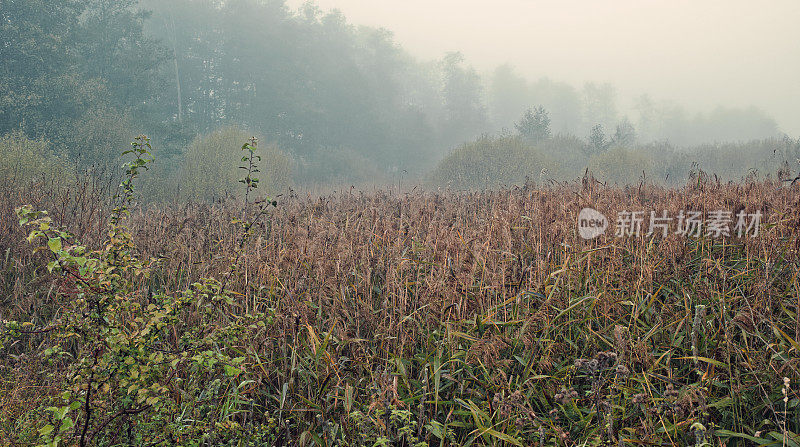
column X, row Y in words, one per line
column 399, row 223
column 397, row 317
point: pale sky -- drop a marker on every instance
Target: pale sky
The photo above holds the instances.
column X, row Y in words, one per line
column 699, row 53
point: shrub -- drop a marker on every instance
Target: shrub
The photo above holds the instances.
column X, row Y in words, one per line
column 728, row 161
column 621, row 165
column 210, row 167
column 761, row 156
column 25, row 159
column 669, row 166
column 146, row 366
column 490, row 162
column 534, row 125
column 569, row 150
column 97, row 137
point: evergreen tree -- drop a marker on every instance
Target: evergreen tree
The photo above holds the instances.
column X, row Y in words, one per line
column 534, row 125
column 597, row 139
column 625, row 134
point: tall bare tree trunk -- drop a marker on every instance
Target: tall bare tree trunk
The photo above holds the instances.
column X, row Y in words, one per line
column 177, row 71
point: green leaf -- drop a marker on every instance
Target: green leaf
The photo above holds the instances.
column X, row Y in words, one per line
column 66, row 424
column 501, row 436
column 60, row 412
column 231, row 370
column 730, row 434
column 46, row 430
column 54, row 244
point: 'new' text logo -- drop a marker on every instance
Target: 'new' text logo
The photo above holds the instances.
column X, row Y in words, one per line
column 591, row 223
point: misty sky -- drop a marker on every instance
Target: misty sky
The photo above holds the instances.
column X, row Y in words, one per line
column 699, row 53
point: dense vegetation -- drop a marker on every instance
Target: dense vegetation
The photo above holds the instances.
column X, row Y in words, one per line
column 382, row 319
column 508, row 160
column 223, row 295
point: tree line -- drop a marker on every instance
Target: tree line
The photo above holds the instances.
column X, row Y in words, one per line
column 86, row 75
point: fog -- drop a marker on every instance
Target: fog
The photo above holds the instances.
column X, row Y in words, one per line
column 701, row 54
column 399, row 223
column 440, row 94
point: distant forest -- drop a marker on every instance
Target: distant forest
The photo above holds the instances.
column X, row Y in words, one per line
column 87, row 76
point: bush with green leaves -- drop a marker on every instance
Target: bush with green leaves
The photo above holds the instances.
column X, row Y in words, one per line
column 210, row 166
column 97, row 137
column 620, row 165
column 491, row 162
column 141, row 366
column 26, row 160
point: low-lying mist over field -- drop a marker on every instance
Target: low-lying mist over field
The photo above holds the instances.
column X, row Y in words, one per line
column 516, row 89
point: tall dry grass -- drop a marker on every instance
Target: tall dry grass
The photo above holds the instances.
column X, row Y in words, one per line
column 473, row 317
